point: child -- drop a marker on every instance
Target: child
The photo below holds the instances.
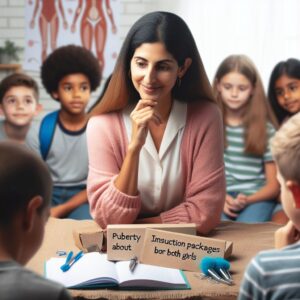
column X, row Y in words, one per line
column 250, row 171
column 284, row 96
column 19, row 104
column 69, row 75
column 284, row 89
column 275, row 274
column 25, row 193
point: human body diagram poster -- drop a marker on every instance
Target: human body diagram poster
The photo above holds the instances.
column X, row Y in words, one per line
column 92, row 24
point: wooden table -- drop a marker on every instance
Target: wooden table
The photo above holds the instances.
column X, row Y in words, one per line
column 247, row 240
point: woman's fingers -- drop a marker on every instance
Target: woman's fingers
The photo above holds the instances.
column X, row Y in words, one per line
column 145, row 115
column 144, row 103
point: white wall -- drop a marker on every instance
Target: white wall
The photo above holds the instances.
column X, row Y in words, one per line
column 266, row 30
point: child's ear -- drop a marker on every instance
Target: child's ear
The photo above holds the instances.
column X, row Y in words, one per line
column 295, row 189
column 218, row 85
column 1, row 110
column 54, row 95
column 39, row 108
column 31, row 213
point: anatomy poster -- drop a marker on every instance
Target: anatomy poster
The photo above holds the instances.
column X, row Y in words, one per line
column 92, row 24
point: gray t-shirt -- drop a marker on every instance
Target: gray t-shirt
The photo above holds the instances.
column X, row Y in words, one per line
column 17, row 282
column 3, row 135
column 67, row 157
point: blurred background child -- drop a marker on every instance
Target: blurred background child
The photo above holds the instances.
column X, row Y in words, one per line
column 19, row 104
column 284, row 89
column 274, row 274
column 25, row 193
column 69, row 74
column 248, row 125
column 284, row 96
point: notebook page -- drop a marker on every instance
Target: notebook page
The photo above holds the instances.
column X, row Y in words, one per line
column 89, row 267
column 144, row 273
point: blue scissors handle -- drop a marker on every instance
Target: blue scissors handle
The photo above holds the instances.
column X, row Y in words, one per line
column 71, row 260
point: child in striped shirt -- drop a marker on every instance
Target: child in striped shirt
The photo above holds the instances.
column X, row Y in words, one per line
column 248, row 125
column 275, row 274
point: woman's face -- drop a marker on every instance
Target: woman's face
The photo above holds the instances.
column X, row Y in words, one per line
column 154, row 71
column 287, row 91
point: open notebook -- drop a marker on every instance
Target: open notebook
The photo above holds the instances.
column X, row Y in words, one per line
column 93, row 270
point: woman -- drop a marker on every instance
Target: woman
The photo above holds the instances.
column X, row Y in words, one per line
column 156, row 146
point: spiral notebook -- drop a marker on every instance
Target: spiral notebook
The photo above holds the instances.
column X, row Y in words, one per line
column 93, row 270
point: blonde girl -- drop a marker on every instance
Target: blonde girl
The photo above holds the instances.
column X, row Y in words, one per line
column 251, row 183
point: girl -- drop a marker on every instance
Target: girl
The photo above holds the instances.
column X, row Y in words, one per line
column 248, row 124
column 284, row 89
column 156, row 150
column 284, row 96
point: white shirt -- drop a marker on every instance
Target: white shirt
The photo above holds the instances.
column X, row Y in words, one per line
column 159, row 176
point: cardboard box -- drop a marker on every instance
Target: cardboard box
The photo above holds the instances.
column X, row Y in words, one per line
column 180, row 251
column 126, row 241
column 89, row 238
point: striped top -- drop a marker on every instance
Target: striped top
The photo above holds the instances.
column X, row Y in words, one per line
column 244, row 172
column 273, row 275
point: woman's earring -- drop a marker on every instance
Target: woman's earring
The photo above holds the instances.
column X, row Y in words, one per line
column 178, row 82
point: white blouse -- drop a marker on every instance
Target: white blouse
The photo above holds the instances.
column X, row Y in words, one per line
column 159, row 177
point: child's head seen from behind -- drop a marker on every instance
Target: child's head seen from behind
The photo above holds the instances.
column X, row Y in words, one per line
column 284, row 89
column 25, row 193
column 70, row 74
column 285, row 147
column 19, row 99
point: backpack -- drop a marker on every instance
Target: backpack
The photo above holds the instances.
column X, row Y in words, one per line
column 46, row 132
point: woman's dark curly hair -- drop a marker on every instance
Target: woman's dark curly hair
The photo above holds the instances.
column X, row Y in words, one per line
column 68, row 60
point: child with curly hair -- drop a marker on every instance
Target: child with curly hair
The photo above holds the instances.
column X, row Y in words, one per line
column 69, row 75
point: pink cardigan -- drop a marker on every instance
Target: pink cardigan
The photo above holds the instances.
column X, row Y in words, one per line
column 202, row 165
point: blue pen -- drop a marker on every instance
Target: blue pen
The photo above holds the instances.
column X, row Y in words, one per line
column 70, row 261
column 69, row 257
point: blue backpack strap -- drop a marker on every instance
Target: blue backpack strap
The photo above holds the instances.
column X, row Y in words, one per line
column 46, row 133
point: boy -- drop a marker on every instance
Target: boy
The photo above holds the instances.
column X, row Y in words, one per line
column 69, row 74
column 25, row 193
column 19, row 105
column 275, row 274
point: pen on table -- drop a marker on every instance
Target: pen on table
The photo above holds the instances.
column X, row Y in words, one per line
column 70, row 261
column 208, row 266
column 61, row 252
column 69, row 257
column 133, row 263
